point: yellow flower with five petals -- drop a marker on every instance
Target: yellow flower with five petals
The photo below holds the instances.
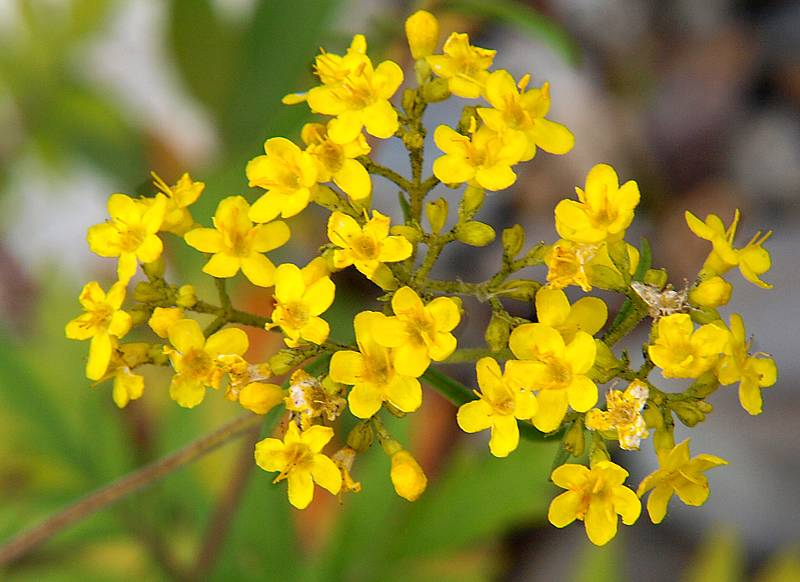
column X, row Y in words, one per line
column 299, row 301
column 236, row 244
column 289, row 176
column 103, row 321
column 419, row 333
column 367, row 248
column 300, row 460
column 515, row 109
column 603, row 210
column 131, row 233
column 753, row 372
column 678, row 474
column 596, row 496
column 501, row 402
column 199, row 362
column 372, row 373
column 464, row 66
column 554, row 368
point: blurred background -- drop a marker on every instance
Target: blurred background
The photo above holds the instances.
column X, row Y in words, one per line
column 697, row 101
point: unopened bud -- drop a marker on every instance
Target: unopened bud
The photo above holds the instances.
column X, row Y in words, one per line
column 413, row 140
column 711, row 293
column 574, row 440
column 410, row 233
column 653, row 417
column 688, row 411
column 186, row 296
column 520, row 289
column 163, row 318
column 474, row 233
column 408, row 478
column 436, row 90
column 408, row 100
column 283, row 361
column 473, row 199
column 437, row 214
column 261, row 398
column 147, row 292
column 656, row 278
column 135, row 354
column 497, row 333
column 361, row 437
column 154, row 269
column 422, row 32
column 605, row 363
column 663, row 442
column 513, row 240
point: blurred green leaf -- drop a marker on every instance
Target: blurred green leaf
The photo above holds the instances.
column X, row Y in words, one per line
column 719, row 559
column 523, row 17
column 599, row 564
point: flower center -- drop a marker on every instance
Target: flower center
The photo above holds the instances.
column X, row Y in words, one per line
column 294, row 314
column 197, row 364
column 365, row 247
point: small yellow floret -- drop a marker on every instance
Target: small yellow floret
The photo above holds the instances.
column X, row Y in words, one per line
column 367, row 248
column 408, row 478
column 422, row 32
column 464, row 66
column 683, row 352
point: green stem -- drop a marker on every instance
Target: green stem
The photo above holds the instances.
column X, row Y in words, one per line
column 387, row 173
column 466, row 355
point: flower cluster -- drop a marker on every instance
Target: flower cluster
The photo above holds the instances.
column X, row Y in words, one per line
column 536, row 376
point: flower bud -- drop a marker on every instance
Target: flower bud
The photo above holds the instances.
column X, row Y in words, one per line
column 146, row 292
column 437, row 214
column 138, row 315
column 154, row 269
column 422, row 31
column 513, row 240
column 408, row 100
column 653, row 417
column 605, row 363
column 410, row 233
column 497, row 333
column 474, row 233
column 186, row 296
column 574, row 440
column 284, row 360
column 656, row 278
column 163, row 318
column 361, row 437
column 413, row 140
column 408, row 478
column 711, row 293
column 689, row 412
column 473, row 199
column 520, row 289
column 261, row 398
column 436, row 90
column 135, row 354
column 663, row 442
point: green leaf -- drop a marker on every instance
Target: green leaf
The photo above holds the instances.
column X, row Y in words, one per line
column 523, row 17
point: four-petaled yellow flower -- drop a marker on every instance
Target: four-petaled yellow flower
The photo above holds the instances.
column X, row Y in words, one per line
column 104, row 322
column 502, row 400
column 515, row 109
column 360, row 100
column 289, row 176
column 237, row 244
column 753, row 259
column 367, row 248
column 337, row 161
column 300, row 461
column 299, row 300
column 587, row 314
column 682, row 352
column 371, row 372
column 554, row 368
column 131, row 233
column 177, row 218
column 623, row 415
column 596, row 496
column 678, row 474
column 197, row 361
column 751, row 371
column 463, row 65
column 484, row 159
column 603, row 211
column 419, row 333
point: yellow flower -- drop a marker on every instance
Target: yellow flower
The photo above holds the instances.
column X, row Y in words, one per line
column 196, row 360
column 177, row 218
column 502, row 400
column 237, row 244
column 484, row 159
column 556, row 369
column 587, row 314
column 678, row 474
column 751, row 371
column 422, row 32
column 366, row 248
column 683, row 352
column 371, row 372
column 604, row 210
column 408, row 478
column 131, row 233
column 515, row 109
column 623, row 415
column 287, row 173
column 753, row 260
column 103, row 322
column 596, row 496
column 419, row 333
column 337, row 161
column 463, row 65
column 298, row 304
column 162, row 318
column 585, row 265
column 300, row 461
column 359, row 100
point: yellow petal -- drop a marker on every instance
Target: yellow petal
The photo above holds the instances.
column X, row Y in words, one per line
column 230, row 340
column 258, row 269
column 126, row 267
column 301, row 488
column 100, row 350
column 552, row 137
column 626, row 504
column 581, row 352
column 411, row 359
column 267, row 207
column 260, row 398
column 270, row 454
column 453, row 169
column 270, row 236
column 186, row 335
column 319, row 295
column 564, row 509
column 474, row 416
column 600, row 521
column 570, row 476
column 150, row 249
column 222, row 265
column 657, row 503
column 552, row 408
column 588, row 314
column 497, row 177
column 394, row 248
column 342, row 229
column 354, row 180
column 326, row 474
column 530, row 341
column 380, row 119
column 694, row 494
column 346, row 367
column 345, row 127
column 188, row 393
column 289, row 284
column 364, row 399
column 405, row 393
column 552, row 306
column 505, row 436
column 120, row 324
column 316, row 437
column 445, row 313
column 443, row 347
column 316, row 330
column 406, row 301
